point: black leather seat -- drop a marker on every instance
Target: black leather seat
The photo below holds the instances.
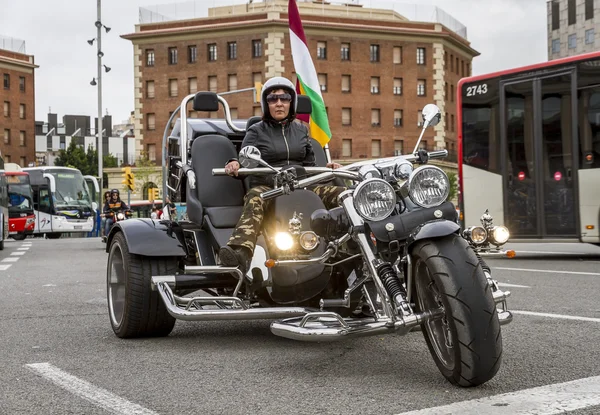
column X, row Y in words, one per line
column 216, row 203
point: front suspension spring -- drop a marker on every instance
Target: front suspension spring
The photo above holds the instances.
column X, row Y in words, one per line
column 390, row 280
column 484, row 264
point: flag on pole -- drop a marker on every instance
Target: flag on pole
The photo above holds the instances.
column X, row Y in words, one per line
column 307, row 82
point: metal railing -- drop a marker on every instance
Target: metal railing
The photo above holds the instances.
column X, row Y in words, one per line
column 12, row 44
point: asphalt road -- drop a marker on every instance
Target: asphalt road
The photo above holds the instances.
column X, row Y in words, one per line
column 55, row 326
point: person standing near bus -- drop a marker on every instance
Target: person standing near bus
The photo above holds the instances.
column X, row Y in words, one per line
column 102, row 215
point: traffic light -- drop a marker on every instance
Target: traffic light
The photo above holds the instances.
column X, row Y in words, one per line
column 153, row 193
column 128, row 178
column 257, row 90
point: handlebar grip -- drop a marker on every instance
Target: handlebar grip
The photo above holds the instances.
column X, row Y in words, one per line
column 219, row 172
column 271, row 194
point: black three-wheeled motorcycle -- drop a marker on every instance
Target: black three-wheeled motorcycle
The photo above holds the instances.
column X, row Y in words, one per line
column 390, row 259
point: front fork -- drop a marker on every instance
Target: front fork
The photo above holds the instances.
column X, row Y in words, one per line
column 395, row 307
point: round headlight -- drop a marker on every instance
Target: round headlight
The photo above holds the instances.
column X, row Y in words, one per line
column 120, row 216
column 500, row 234
column 428, row 186
column 476, row 234
column 369, row 172
column 309, row 240
column 284, row 241
column 374, row 199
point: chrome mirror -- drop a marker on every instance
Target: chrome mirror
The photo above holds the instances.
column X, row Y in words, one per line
column 249, row 157
column 431, row 115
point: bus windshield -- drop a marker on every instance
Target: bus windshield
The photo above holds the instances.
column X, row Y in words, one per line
column 71, row 189
column 20, row 198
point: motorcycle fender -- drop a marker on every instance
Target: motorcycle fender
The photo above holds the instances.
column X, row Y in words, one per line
column 150, row 237
column 432, row 229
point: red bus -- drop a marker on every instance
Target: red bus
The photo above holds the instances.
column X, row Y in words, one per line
column 21, row 219
column 529, row 149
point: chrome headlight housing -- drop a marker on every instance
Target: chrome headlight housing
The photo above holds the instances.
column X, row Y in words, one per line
column 403, row 169
column 374, row 199
column 476, row 234
column 499, row 235
column 369, row 171
column 428, row 186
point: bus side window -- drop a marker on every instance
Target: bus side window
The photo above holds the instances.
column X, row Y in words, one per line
column 44, row 202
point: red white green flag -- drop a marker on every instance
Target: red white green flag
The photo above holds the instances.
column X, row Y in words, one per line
column 307, row 80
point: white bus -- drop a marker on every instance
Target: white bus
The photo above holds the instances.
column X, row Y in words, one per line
column 61, row 201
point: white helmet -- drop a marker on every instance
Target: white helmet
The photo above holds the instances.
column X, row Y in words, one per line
column 279, row 82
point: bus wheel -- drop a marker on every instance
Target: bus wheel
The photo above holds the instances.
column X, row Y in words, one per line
column 54, row 235
column 134, row 309
column 19, row 237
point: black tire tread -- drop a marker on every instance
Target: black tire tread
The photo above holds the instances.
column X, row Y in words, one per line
column 145, row 313
column 467, row 296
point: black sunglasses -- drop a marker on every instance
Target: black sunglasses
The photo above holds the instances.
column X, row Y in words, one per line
column 273, row 98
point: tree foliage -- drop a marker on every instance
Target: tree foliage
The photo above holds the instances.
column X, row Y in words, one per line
column 145, row 170
column 87, row 162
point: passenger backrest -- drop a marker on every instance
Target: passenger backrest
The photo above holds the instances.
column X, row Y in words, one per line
column 213, row 151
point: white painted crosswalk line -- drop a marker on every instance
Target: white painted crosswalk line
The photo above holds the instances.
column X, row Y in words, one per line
column 4, row 267
column 23, row 249
column 544, row 400
column 17, row 253
column 559, row 316
column 100, row 397
column 504, row 284
column 11, row 259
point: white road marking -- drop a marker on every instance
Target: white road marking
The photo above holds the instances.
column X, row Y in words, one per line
column 23, row 249
column 17, row 253
column 11, row 259
column 549, row 271
column 98, row 396
column 5, row 267
column 548, row 252
column 562, row 316
column 504, row 284
column 544, row 400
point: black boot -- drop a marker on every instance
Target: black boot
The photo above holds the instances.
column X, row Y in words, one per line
column 236, row 257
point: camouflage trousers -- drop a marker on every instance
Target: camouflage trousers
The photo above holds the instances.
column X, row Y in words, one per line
column 248, row 227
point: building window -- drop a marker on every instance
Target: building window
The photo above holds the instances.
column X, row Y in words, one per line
column 345, row 51
column 22, row 111
column 374, row 52
column 346, row 116
column 152, row 152
column 419, row 118
column 22, row 83
column 149, row 57
column 589, row 36
column 346, row 83
column 257, row 111
column 232, row 82
column 555, row 45
column 452, row 122
column 321, row 50
column 234, row 113
column 398, row 118
column 573, row 41
column 172, row 56
column 231, row 50
column 376, row 148
column 423, row 145
column 397, row 86
column 374, row 85
column 446, row 90
column 421, row 87
column 420, row 56
column 397, row 54
column 375, row 117
column 451, row 63
column 6, row 81
column 150, row 89
column 173, row 92
column 555, row 15
column 589, row 9
column 151, row 121
column 346, row 147
column 398, row 147
column 323, row 81
column 6, row 136
column 192, row 85
column 6, row 109
column 192, row 54
column 257, row 48
column 212, row 83
column 257, row 77
column 451, row 92
column 22, row 141
column 212, row 52
column 571, row 11
column 23, row 161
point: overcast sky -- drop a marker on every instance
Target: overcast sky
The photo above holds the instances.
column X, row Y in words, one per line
column 507, row 33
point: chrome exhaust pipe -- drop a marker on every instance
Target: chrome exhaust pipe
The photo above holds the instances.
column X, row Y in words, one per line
column 230, row 308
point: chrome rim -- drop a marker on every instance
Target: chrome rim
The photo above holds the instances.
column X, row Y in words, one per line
column 438, row 329
column 116, row 285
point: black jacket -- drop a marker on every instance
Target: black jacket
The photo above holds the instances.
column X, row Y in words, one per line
column 115, row 207
column 280, row 145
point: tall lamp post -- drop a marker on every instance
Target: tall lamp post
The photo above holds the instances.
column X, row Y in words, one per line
column 99, row 55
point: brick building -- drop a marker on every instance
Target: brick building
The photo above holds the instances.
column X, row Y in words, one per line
column 17, row 95
column 376, row 69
